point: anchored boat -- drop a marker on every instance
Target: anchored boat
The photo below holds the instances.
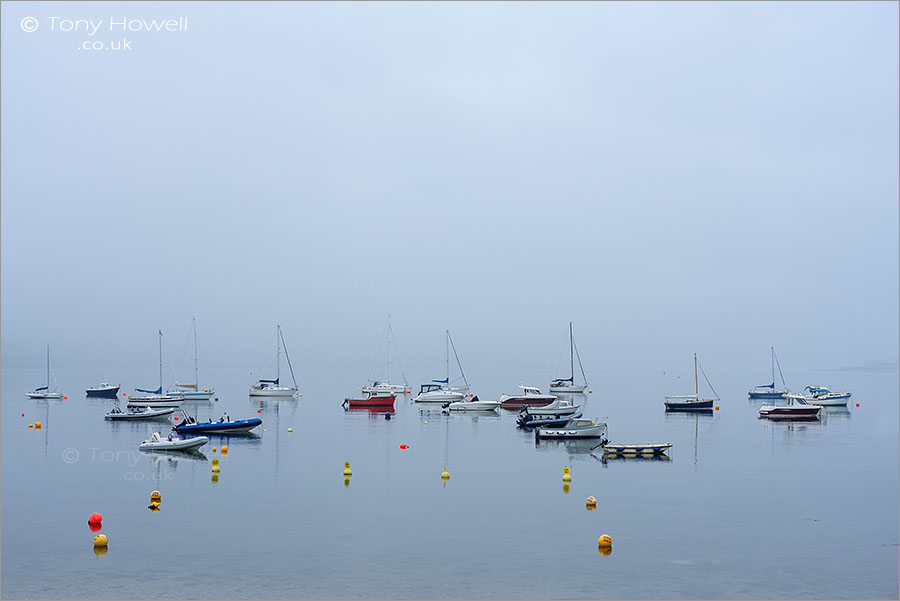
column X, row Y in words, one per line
column 576, row 427
column 568, row 384
column 377, row 398
column 273, row 388
column 104, row 390
column 531, row 397
column 155, row 398
column 138, row 413
column 440, row 391
column 767, row 391
column 171, row 443
column 819, row 395
column 189, row 425
column 795, row 408
column 44, row 392
column 692, row 402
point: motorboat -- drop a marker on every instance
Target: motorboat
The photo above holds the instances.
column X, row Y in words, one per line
column 576, row 427
column 768, row 391
column 138, row 413
column 378, row 398
column 44, row 392
column 561, row 408
column 819, row 395
column 473, row 404
column 796, row 408
column 531, row 397
column 440, row 391
column 568, row 384
column 172, row 443
column 692, row 402
column 655, row 448
column 273, row 388
column 189, row 425
column 104, row 390
column 549, row 422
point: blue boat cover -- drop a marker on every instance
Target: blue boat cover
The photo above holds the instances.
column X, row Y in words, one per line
column 157, row 391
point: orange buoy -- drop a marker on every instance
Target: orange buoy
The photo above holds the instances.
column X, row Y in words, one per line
column 37, row 425
column 403, row 446
column 95, row 518
column 31, row 425
column 214, row 449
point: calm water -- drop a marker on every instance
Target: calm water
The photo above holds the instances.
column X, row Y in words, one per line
column 743, row 508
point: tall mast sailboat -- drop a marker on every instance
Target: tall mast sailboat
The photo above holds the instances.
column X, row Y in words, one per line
column 568, row 384
column 156, row 398
column 440, row 391
column 273, row 388
column 44, row 392
column 192, row 392
column 767, row 391
column 376, row 385
column 692, row 402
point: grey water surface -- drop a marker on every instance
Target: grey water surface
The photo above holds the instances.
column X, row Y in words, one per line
column 740, row 507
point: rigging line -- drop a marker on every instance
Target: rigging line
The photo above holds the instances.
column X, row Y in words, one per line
column 561, row 352
column 779, row 368
column 203, row 357
column 288, row 357
column 398, row 358
column 453, row 346
column 707, row 381
column 579, row 360
column 183, row 355
column 378, row 349
column 147, row 360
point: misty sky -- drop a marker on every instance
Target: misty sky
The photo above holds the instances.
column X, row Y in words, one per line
column 672, row 177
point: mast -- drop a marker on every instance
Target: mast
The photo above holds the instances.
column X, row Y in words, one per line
column 571, row 353
column 278, row 356
column 196, row 371
column 696, row 382
column 48, row 366
column 160, row 361
column 773, row 367
column 390, row 334
column 447, row 345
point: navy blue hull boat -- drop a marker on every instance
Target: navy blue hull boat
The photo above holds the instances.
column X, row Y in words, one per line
column 224, row 426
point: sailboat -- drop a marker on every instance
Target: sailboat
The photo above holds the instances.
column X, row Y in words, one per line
column 767, row 391
column 568, row 384
column 439, row 391
column 192, row 392
column 692, row 402
column 377, row 386
column 155, row 398
column 44, row 392
column 273, row 388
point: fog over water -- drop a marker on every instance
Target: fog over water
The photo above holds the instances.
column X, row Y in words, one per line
column 673, row 178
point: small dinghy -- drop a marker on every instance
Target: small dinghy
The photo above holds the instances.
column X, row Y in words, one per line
column 576, row 427
column 172, row 443
column 637, row 449
column 374, row 398
column 189, row 425
column 472, row 405
column 138, row 412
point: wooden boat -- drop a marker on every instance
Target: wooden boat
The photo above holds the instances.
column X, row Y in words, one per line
column 44, row 392
column 138, row 413
column 575, row 427
column 637, row 449
column 158, row 443
column 796, row 408
column 379, row 398
column 273, row 388
column 568, row 384
column 767, row 391
column 530, row 397
column 189, row 425
column 691, row 402
column 104, row 390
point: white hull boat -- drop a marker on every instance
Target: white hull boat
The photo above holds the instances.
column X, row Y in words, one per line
column 575, row 428
column 796, row 408
column 820, row 395
column 273, row 388
column 768, row 391
column 473, row 405
column 380, row 387
column 530, row 397
column 568, row 384
column 440, row 391
column 192, row 392
column 154, row 400
column 139, row 413
column 158, row 443
column 377, row 386
column 44, row 392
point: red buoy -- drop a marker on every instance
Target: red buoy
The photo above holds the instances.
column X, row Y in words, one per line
column 403, row 446
column 95, row 518
column 176, row 418
column 856, row 405
column 258, row 411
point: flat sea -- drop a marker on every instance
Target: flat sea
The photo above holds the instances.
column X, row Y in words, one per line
column 740, row 507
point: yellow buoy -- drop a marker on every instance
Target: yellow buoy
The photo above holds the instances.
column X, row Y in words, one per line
column 566, row 488
column 445, row 475
column 347, row 470
column 215, row 461
column 604, row 541
column 37, row 425
column 590, row 391
column 156, row 496
column 216, row 469
column 590, row 502
column 100, row 540
column 153, row 506
column 426, row 422
column 214, row 449
column 31, row 425
column 224, row 449
column 566, row 476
